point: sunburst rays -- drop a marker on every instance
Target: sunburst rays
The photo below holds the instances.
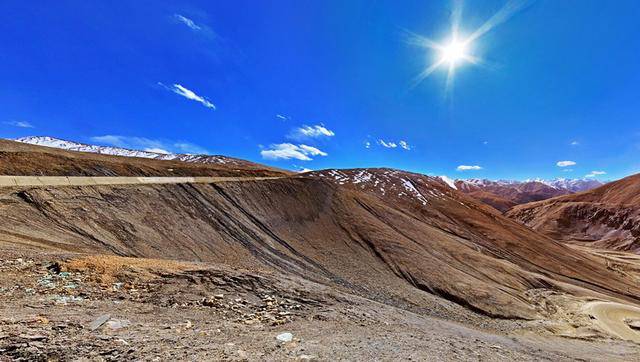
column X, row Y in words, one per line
column 457, row 49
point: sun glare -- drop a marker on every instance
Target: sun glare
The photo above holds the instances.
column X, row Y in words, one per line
column 458, row 51
column 453, row 53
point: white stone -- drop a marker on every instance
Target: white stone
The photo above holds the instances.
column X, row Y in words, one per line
column 285, row 337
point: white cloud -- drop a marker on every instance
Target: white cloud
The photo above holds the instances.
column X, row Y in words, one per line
column 485, row 142
column 367, row 144
column 467, row 168
column 21, row 124
column 149, row 145
column 186, row 147
column 301, row 169
column 189, row 94
column 392, row 144
column 282, row 117
column 565, row 163
column 111, row 140
column 157, row 150
column 287, row 151
column 312, row 150
column 136, row 143
column 188, row 22
column 574, row 143
column 595, row 173
column 306, row 132
column 389, row 144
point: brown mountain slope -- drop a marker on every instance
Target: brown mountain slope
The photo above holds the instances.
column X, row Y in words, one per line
column 391, row 236
column 492, row 199
column 29, row 160
column 607, row 217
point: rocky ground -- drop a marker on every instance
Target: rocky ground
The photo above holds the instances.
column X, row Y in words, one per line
column 66, row 307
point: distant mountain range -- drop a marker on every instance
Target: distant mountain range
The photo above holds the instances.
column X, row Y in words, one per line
column 564, row 184
column 505, row 194
column 119, row 151
column 501, row 194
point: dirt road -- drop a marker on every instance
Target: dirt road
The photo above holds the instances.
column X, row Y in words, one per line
column 614, row 318
column 12, row 181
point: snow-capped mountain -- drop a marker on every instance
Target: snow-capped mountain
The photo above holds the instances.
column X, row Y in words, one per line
column 574, row 185
column 563, row 184
column 449, row 181
column 504, row 194
column 80, row 147
column 119, row 151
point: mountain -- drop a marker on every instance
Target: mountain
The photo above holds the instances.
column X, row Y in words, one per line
column 420, row 252
column 378, row 232
column 19, row 158
column 80, row 147
column 118, row 151
column 502, row 195
column 573, row 185
column 505, row 194
column 607, row 217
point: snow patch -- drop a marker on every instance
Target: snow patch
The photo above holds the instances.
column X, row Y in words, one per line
column 448, row 181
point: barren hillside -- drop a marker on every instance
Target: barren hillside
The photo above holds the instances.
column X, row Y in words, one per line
column 419, row 236
column 345, row 239
column 29, row 160
column 607, row 217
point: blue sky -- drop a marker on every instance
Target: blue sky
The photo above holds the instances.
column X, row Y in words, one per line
column 319, row 84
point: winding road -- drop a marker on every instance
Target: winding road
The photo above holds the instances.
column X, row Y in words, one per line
column 612, row 317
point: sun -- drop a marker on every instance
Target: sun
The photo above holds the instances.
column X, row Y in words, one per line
column 460, row 48
column 454, row 52
column 449, row 55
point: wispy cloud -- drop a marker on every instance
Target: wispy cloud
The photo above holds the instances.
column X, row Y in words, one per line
column 157, row 150
column 386, row 144
column 565, row 163
column 367, row 144
column 149, row 145
column 312, row 150
column 574, row 143
column 189, row 94
column 137, row 143
column 468, row 168
column 287, row 151
column 21, row 124
column 283, row 117
column 188, row 22
column 186, row 147
column 595, row 173
column 306, row 132
column 392, row 144
column 301, row 169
